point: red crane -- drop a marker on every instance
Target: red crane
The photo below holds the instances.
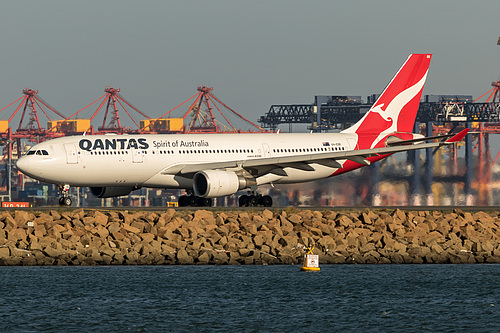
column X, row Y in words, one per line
column 203, row 120
column 483, row 130
column 114, row 101
column 31, row 129
column 31, row 103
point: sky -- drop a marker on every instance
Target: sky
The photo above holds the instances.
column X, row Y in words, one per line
column 254, row 53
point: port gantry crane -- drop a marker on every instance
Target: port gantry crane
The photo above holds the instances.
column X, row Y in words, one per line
column 203, row 119
column 114, row 101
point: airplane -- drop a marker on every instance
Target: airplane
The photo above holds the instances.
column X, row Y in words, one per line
column 208, row 166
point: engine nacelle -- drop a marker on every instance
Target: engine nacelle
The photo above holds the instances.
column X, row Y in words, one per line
column 218, row 183
column 111, row 191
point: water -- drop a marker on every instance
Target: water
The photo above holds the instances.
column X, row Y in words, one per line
column 360, row 298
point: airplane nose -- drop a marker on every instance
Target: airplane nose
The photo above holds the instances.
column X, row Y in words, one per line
column 22, row 164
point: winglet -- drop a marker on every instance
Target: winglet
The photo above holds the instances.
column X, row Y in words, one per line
column 459, row 136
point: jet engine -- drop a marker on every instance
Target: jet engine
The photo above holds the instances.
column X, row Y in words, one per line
column 218, row 183
column 113, row 191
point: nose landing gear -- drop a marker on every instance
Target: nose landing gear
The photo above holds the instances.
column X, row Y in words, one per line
column 65, row 200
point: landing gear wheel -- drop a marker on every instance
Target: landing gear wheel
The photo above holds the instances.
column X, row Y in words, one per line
column 183, row 201
column 65, row 201
column 205, row 202
column 192, row 201
column 253, row 201
column 243, row 201
column 267, row 201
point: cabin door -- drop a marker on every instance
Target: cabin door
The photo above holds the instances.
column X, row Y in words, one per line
column 137, row 156
column 267, row 150
column 71, row 153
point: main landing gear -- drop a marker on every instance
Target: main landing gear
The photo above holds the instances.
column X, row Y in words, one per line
column 65, row 200
column 254, row 200
column 194, row 201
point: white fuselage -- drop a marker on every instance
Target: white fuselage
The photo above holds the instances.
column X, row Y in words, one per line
column 142, row 160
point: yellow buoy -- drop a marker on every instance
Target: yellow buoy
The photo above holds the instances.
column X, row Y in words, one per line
column 311, row 261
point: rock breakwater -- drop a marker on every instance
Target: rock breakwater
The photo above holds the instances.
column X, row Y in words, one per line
column 96, row 237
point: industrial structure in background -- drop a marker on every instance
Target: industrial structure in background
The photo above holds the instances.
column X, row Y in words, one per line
column 199, row 118
column 437, row 114
column 441, row 178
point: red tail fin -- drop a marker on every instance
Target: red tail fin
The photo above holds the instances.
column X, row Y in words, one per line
column 395, row 110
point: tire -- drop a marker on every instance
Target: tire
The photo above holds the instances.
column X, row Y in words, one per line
column 243, row 201
column 192, row 201
column 67, row 201
column 182, row 201
column 267, row 201
column 253, row 201
column 61, row 203
column 207, row 202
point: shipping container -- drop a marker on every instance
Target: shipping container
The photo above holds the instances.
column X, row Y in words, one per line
column 70, row 125
column 163, row 124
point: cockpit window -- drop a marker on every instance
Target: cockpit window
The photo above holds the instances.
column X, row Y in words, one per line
column 38, row 152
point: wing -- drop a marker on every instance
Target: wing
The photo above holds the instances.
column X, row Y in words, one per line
column 275, row 165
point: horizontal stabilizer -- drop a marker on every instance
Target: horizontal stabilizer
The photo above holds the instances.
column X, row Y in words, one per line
column 459, row 136
column 453, row 138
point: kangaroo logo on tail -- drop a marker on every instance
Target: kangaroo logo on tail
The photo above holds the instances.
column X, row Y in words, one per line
column 396, row 108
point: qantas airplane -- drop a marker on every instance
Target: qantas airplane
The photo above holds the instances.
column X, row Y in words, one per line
column 215, row 165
